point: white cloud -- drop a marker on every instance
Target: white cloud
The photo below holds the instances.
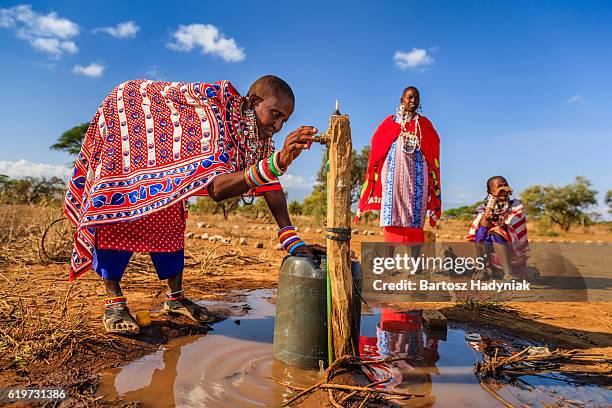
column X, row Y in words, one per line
column 23, row 168
column 209, row 39
column 296, row 182
column 54, row 46
column 127, row 29
column 153, row 74
column 417, row 58
column 576, row 99
column 92, row 70
column 48, row 33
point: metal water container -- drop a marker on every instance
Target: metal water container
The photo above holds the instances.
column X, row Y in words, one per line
column 300, row 329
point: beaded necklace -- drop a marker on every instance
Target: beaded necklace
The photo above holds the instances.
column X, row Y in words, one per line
column 412, row 141
column 254, row 149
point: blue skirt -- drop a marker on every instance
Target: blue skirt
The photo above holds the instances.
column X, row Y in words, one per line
column 110, row 264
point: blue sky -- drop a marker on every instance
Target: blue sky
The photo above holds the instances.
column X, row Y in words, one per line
column 520, row 89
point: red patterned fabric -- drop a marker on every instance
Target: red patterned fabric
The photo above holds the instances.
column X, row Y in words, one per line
column 161, row 231
column 150, row 145
column 386, row 133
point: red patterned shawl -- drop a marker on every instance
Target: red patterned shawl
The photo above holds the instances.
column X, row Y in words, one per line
column 149, row 145
column 386, row 133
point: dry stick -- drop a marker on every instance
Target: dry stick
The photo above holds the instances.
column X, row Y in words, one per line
column 346, row 397
column 352, row 360
column 496, row 396
column 332, row 399
column 363, row 402
column 327, row 378
column 370, row 390
column 293, row 387
column 306, row 391
column 381, row 361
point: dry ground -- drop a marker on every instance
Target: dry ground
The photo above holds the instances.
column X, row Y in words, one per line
column 51, row 330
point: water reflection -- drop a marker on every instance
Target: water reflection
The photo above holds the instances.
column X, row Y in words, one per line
column 401, row 334
column 232, row 366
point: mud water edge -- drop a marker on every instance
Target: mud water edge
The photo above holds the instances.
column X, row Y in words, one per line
column 232, row 366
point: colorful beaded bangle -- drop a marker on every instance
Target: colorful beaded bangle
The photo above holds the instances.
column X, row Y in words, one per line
column 274, row 167
column 294, row 247
column 248, row 179
column 178, row 295
column 289, row 239
column 260, row 173
column 265, row 171
column 276, row 156
column 251, row 180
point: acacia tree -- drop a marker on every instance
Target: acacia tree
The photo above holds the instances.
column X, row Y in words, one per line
column 608, row 201
column 315, row 202
column 71, row 140
column 564, row 206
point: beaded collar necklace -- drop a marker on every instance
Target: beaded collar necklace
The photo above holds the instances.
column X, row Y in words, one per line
column 412, row 141
column 254, row 148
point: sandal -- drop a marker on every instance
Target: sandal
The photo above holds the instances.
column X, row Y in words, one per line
column 118, row 320
column 190, row 309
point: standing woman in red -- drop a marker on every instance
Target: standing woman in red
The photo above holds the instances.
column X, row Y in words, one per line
column 403, row 176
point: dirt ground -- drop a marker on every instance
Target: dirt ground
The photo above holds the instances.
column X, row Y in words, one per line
column 52, row 332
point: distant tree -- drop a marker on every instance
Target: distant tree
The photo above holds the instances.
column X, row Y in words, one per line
column 608, row 201
column 257, row 209
column 316, row 204
column 207, row 205
column 30, row 190
column 358, row 169
column 564, row 206
column 463, row 213
column 71, row 140
column 295, row 208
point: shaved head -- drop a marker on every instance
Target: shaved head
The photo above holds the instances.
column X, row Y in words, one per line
column 414, row 88
column 273, row 102
column 270, row 85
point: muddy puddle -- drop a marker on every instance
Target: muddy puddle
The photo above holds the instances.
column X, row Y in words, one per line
column 232, row 366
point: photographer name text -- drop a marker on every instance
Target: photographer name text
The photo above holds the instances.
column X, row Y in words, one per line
column 472, row 285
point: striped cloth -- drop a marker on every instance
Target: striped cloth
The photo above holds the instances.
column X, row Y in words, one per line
column 150, row 145
column 405, row 188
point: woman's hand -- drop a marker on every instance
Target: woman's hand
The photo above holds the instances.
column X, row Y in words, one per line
column 312, row 251
column 502, row 192
column 295, row 142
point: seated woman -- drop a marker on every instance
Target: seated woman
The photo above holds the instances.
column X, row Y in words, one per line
column 500, row 229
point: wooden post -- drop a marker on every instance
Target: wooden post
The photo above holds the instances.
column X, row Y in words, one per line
column 340, row 146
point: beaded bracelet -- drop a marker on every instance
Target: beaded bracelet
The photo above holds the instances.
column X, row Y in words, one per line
column 274, row 167
column 178, row 295
column 263, row 172
column 289, row 239
column 118, row 300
